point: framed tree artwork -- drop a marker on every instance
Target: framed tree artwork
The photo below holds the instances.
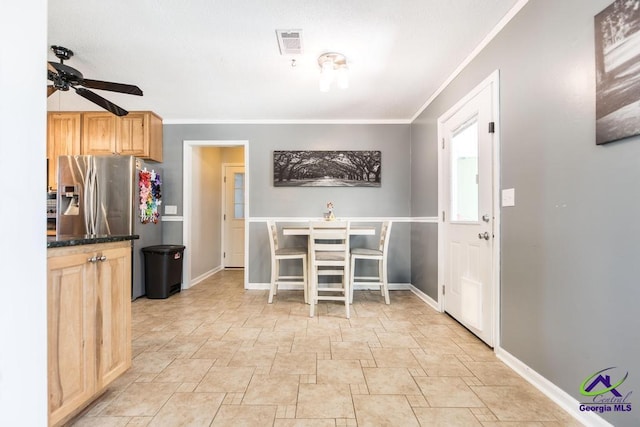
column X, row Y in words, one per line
column 617, row 42
column 327, row 168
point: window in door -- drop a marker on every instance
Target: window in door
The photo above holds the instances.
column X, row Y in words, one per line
column 238, row 195
column 464, row 172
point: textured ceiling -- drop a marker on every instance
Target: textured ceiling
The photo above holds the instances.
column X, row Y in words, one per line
column 208, row 60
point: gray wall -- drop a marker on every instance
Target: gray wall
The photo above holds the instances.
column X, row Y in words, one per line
column 570, row 270
column 392, row 199
column 424, row 257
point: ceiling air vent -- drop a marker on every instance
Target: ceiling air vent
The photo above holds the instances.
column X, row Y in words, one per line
column 290, row 42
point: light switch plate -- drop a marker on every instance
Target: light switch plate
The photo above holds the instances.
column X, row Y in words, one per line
column 170, row 209
column 508, row 197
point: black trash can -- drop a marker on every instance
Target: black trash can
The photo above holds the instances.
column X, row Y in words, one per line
column 162, row 270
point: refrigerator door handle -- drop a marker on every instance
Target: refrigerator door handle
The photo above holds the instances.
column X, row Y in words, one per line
column 90, row 198
column 87, row 200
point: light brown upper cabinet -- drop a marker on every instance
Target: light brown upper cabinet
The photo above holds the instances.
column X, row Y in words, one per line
column 99, row 133
column 136, row 134
column 140, row 134
column 63, row 139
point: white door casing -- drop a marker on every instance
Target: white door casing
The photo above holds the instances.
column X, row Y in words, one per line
column 233, row 215
column 467, row 231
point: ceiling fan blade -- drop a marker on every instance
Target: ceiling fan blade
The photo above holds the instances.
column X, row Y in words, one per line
column 51, row 68
column 98, row 100
column 114, row 87
column 50, row 90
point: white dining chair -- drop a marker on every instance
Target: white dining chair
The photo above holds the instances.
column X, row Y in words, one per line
column 329, row 254
column 278, row 255
column 380, row 254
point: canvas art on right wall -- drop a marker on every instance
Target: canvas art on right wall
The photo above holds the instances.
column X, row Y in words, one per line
column 617, row 42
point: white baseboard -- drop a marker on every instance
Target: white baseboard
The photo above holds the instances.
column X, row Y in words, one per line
column 552, row 391
column 424, row 297
column 204, row 276
column 265, row 286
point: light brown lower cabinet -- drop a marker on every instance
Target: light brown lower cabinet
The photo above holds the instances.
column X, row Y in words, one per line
column 89, row 323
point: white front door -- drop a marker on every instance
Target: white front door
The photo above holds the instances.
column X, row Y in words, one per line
column 467, row 213
column 233, row 217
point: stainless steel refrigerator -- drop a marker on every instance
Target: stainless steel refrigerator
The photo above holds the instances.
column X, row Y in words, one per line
column 100, row 195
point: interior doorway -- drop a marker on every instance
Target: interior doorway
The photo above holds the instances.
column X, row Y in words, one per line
column 204, row 164
column 468, row 241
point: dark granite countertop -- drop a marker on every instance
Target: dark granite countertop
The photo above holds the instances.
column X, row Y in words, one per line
column 64, row 241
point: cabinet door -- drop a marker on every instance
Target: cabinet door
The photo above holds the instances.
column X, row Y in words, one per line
column 71, row 334
column 113, row 314
column 154, row 132
column 133, row 136
column 98, row 133
column 63, row 139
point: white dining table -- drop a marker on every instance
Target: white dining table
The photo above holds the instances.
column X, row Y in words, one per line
column 355, row 230
column 300, row 230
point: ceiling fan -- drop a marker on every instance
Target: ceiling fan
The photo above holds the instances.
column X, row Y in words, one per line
column 65, row 77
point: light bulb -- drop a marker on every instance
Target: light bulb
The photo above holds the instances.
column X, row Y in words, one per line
column 342, row 77
column 326, row 76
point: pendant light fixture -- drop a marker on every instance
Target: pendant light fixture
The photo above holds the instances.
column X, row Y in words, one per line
column 333, row 67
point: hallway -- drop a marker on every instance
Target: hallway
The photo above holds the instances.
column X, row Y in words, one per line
column 218, row 355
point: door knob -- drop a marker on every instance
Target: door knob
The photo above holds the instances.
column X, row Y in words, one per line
column 485, row 218
column 484, row 235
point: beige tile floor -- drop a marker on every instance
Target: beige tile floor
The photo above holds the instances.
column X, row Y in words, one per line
column 217, row 355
